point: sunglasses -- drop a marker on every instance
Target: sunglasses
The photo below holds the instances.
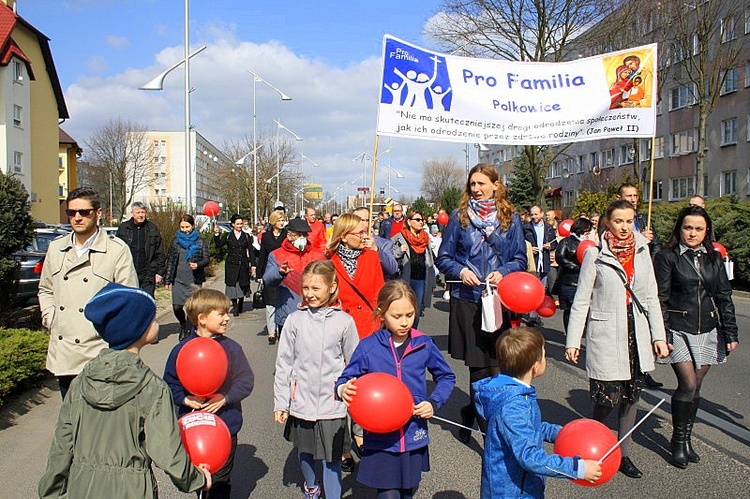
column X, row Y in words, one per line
column 417, row 220
column 86, row 212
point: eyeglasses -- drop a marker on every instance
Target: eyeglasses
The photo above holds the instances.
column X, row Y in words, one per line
column 360, row 234
column 86, row 212
column 420, row 220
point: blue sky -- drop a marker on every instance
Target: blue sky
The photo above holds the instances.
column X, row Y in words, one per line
column 325, row 54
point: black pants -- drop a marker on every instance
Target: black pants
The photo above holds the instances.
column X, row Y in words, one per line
column 220, row 486
column 64, row 382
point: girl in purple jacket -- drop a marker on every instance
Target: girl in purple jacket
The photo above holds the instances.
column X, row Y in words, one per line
column 393, row 462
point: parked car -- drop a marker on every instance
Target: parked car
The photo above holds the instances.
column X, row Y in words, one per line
column 31, row 260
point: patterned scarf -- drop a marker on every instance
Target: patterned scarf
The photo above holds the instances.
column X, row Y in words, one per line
column 189, row 242
column 349, row 259
column 623, row 249
column 417, row 242
column 483, row 215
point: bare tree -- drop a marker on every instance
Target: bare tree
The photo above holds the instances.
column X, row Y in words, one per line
column 439, row 175
column 119, row 154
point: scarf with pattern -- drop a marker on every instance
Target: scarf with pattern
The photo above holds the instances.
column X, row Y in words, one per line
column 349, row 258
column 483, row 215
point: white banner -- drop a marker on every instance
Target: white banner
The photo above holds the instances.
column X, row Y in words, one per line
column 427, row 95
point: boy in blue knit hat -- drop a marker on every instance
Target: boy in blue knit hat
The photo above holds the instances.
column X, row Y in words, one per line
column 118, row 416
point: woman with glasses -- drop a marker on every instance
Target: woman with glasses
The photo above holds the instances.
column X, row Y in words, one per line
column 271, row 240
column 411, row 247
column 188, row 257
column 483, row 242
column 358, row 270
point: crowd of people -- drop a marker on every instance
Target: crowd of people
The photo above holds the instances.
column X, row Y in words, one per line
column 343, row 297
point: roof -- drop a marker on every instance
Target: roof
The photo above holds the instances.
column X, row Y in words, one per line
column 9, row 20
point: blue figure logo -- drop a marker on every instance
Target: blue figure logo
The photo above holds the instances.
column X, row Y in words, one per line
column 414, row 78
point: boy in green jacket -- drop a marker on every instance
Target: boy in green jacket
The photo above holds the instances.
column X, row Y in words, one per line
column 118, row 416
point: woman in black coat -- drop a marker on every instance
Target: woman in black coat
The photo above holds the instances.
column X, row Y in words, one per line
column 240, row 257
column 271, row 240
column 696, row 301
column 569, row 267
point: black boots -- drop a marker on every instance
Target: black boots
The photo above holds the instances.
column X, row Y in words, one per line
column 629, row 469
column 183, row 332
column 233, row 310
column 681, row 413
column 240, row 304
column 468, row 415
column 691, row 455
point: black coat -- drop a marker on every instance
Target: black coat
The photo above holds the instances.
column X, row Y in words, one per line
column 240, row 257
column 691, row 304
column 155, row 257
column 549, row 237
column 202, row 258
column 655, row 245
column 268, row 243
column 565, row 256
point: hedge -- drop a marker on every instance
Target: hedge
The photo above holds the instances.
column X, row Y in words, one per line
column 23, row 354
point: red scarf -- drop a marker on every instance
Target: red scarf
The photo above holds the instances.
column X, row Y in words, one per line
column 624, row 251
column 417, row 242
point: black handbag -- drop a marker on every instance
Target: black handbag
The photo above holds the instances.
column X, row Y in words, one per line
column 258, row 301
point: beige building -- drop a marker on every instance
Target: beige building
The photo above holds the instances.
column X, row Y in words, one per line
column 597, row 164
column 67, row 166
column 31, row 107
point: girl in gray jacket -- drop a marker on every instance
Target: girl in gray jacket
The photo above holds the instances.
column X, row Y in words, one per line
column 316, row 344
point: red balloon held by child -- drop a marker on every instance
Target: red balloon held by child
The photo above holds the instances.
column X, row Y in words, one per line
column 202, row 366
column 210, row 208
column 564, row 228
column 206, row 439
column 583, row 247
column 443, row 218
column 721, row 249
column 382, row 404
column 547, row 308
column 521, row 292
column 589, row 439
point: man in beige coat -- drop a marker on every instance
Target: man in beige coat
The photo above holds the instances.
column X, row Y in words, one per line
column 76, row 267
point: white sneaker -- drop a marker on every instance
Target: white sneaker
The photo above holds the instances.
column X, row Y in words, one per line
column 446, row 295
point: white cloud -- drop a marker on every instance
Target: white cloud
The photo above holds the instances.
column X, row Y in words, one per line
column 333, row 109
column 117, row 42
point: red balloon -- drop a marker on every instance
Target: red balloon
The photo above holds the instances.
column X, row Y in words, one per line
column 584, row 246
column 383, row 403
column 521, row 292
column 443, row 218
column 211, row 208
column 589, row 439
column 564, row 227
column 202, row 366
column 548, row 307
column 721, row 249
column 206, row 439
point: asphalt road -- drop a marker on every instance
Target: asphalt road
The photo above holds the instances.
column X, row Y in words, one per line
column 266, row 465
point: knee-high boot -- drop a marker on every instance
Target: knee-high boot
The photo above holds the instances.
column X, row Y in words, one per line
column 691, row 454
column 240, row 304
column 680, row 416
column 234, row 307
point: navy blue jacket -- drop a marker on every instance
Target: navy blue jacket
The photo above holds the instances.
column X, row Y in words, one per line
column 549, row 237
column 238, row 385
column 515, row 462
column 376, row 353
column 468, row 248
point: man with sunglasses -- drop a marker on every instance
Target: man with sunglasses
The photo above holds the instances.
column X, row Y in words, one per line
column 76, row 267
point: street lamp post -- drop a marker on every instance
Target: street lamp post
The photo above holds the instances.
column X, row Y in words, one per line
column 241, row 162
column 302, row 174
column 278, row 160
column 283, row 96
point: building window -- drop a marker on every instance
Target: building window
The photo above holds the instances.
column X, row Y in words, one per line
column 580, row 162
column 608, row 158
column 658, row 190
column 728, row 29
column 658, row 148
column 569, row 198
column 680, row 97
column 17, row 162
column 728, row 183
column 683, row 143
column 731, row 81
column 570, row 167
column 554, row 169
column 626, row 155
column 682, row 188
column 17, row 71
column 695, row 43
column 17, row 115
column 729, row 132
column 644, row 150
column 594, row 156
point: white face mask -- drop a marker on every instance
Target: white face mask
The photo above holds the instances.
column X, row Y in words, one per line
column 300, row 243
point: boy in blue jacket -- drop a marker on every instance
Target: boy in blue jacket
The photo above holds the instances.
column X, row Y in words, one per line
column 208, row 309
column 515, row 463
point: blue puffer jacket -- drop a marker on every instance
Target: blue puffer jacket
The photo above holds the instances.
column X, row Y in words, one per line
column 515, row 463
column 468, row 248
column 376, row 353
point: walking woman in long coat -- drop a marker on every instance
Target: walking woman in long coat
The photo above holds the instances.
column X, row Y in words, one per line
column 240, row 258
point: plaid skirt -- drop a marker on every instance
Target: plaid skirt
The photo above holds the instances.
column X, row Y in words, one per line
column 703, row 349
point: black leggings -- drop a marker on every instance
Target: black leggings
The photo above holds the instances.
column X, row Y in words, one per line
column 689, row 380
column 626, row 413
column 180, row 314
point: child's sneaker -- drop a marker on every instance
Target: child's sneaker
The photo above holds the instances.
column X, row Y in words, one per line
column 311, row 493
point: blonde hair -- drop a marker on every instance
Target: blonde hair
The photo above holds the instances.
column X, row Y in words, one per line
column 502, row 203
column 326, row 270
column 518, row 349
column 343, row 224
column 393, row 290
column 205, row 301
column 274, row 217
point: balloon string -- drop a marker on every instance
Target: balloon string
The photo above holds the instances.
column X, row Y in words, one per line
column 456, row 424
column 482, row 283
column 610, row 451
